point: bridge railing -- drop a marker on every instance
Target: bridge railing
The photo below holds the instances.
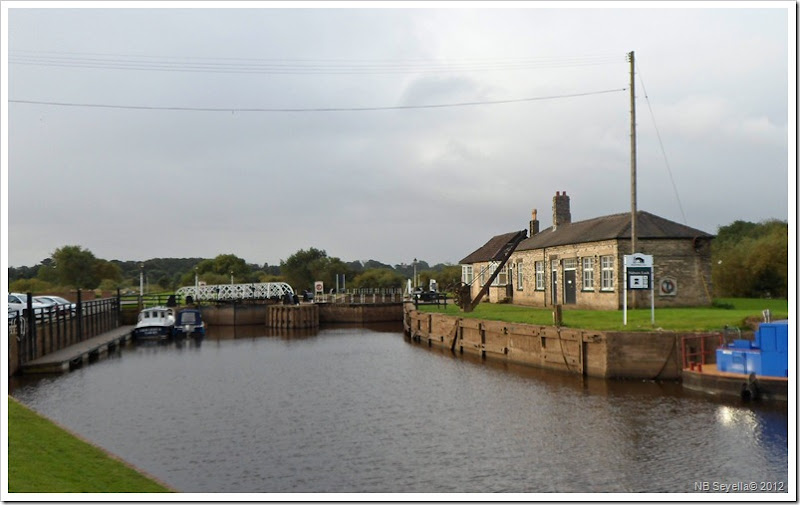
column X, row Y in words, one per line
column 227, row 292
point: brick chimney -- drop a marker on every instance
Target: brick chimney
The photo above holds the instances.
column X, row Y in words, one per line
column 533, row 227
column 561, row 214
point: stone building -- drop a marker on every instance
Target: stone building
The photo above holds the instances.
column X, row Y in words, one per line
column 581, row 264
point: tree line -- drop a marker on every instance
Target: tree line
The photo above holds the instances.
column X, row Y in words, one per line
column 749, row 260
column 74, row 267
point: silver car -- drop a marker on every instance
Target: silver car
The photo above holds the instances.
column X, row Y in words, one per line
column 55, row 303
column 18, row 302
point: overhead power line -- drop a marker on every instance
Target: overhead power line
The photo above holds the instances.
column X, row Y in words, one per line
column 310, row 109
column 292, row 66
column 661, row 145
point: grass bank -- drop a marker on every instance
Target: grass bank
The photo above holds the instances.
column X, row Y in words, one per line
column 44, row 458
column 732, row 312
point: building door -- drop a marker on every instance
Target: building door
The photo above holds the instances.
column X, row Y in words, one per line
column 554, row 276
column 570, row 267
column 569, row 287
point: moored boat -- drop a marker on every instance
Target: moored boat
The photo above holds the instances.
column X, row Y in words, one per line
column 751, row 370
column 189, row 322
column 155, row 323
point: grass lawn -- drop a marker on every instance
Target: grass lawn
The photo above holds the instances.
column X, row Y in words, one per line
column 732, row 312
column 43, row 458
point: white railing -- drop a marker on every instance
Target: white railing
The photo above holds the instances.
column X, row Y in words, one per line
column 252, row 291
column 359, row 298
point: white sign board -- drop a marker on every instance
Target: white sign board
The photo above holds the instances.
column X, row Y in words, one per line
column 639, row 260
column 638, row 276
column 318, row 287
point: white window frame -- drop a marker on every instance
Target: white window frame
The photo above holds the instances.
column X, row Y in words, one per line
column 466, row 274
column 539, row 265
column 607, row 273
column 519, row 275
column 587, row 275
column 502, row 275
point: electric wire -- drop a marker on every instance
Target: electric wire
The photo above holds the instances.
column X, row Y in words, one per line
column 291, row 66
column 661, row 145
column 312, row 109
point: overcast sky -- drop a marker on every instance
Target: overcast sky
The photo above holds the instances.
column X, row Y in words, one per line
column 262, row 131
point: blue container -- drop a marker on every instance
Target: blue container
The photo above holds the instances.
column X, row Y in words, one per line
column 767, row 354
column 753, row 363
column 773, row 340
column 724, row 359
column 731, row 360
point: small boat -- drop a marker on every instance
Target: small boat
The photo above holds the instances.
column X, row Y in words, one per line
column 189, row 322
column 155, row 323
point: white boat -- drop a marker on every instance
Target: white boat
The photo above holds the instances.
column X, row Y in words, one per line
column 155, row 322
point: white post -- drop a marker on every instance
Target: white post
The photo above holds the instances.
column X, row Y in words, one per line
column 652, row 299
column 625, row 294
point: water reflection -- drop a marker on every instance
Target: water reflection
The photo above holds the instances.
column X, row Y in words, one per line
column 358, row 409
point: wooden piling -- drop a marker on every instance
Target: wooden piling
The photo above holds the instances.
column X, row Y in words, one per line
column 293, row 316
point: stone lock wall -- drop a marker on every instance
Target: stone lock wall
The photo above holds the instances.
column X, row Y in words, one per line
column 650, row 355
column 360, row 313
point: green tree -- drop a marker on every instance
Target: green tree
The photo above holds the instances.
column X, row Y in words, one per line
column 300, row 268
column 75, row 267
column 379, row 278
column 224, row 265
column 105, row 270
column 448, row 277
column 326, row 269
column 751, row 259
column 35, row 286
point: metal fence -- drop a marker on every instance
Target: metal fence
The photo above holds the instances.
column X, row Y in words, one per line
column 360, row 298
column 34, row 333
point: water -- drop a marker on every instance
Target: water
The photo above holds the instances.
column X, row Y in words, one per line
column 364, row 410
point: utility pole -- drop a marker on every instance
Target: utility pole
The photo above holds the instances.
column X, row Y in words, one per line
column 633, row 173
column 633, row 158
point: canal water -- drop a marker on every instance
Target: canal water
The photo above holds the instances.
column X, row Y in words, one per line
column 365, row 410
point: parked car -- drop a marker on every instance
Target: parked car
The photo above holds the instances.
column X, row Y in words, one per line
column 55, row 303
column 421, row 295
column 19, row 302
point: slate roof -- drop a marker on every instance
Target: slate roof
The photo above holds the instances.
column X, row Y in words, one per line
column 615, row 226
column 491, row 250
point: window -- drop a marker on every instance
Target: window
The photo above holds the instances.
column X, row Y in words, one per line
column 502, row 275
column 483, row 274
column 570, row 264
column 466, row 274
column 588, row 274
column 519, row 275
column 539, row 275
column 607, row 272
